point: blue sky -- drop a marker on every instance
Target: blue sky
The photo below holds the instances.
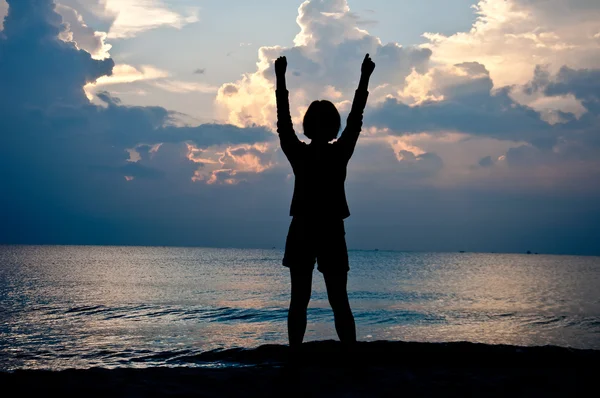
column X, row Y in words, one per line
column 152, row 122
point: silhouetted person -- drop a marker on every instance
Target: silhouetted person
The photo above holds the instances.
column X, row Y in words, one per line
column 319, row 204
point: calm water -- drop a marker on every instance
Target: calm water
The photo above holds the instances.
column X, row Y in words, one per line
column 66, row 306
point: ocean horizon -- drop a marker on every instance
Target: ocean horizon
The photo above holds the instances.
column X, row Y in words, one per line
column 266, row 247
column 141, row 306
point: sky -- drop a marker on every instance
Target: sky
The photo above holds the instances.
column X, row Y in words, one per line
column 152, row 122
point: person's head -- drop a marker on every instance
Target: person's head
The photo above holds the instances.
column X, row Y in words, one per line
column 322, row 121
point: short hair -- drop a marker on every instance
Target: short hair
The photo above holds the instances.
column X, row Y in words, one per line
column 322, row 121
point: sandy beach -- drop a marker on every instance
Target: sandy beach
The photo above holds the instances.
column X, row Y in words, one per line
column 380, row 368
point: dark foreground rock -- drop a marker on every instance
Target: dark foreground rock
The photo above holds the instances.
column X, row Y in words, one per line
column 327, row 369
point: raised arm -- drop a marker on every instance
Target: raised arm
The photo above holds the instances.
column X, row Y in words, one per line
column 285, row 128
column 354, row 123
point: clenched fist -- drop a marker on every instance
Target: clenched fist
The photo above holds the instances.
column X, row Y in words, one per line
column 280, row 66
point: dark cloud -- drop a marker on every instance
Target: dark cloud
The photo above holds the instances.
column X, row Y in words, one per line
column 473, row 107
column 577, row 135
column 523, row 156
column 484, row 114
column 36, row 68
column 541, row 78
column 584, row 84
column 486, row 162
column 378, row 158
column 229, row 89
column 63, row 160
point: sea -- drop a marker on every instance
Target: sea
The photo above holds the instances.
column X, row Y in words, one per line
column 115, row 306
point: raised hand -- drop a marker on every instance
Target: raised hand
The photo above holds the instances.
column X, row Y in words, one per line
column 280, row 66
column 368, row 66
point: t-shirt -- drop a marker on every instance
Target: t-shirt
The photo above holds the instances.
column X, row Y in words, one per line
column 319, row 168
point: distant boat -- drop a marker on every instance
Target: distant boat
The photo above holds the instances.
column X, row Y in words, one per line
column 528, row 252
column 462, row 251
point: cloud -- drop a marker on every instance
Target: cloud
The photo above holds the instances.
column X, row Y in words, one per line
column 360, row 21
column 200, row 71
column 128, row 74
column 50, row 71
column 124, row 73
column 584, row 84
column 544, row 154
column 325, row 59
column 461, row 99
column 178, row 86
column 67, row 162
column 511, row 35
column 442, row 88
column 81, row 34
column 486, row 162
column 416, row 89
column 569, row 165
column 3, row 12
column 123, row 19
column 581, row 84
column 230, row 165
column 132, row 17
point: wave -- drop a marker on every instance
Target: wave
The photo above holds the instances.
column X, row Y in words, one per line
column 366, row 316
column 156, row 312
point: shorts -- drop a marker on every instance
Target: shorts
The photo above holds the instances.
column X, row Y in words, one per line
column 315, row 240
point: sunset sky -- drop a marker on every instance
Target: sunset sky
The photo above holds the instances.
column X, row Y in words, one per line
column 151, row 122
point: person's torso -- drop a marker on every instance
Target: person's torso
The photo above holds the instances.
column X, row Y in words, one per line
column 320, row 174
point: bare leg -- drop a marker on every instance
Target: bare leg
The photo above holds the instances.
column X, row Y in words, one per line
column 301, row 290
column 338, row 298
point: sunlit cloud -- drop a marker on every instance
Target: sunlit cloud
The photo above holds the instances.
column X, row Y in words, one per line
column 510, row 37
column 402, row 146
column 178, row 86
column 324, row 63
column 128, row 74
column 468, row 92
column 196, row 155
column 136, row 16
column 441, row 82
column 230, row 165
column 84, row 37
column 123, row 74
column 552, row 108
